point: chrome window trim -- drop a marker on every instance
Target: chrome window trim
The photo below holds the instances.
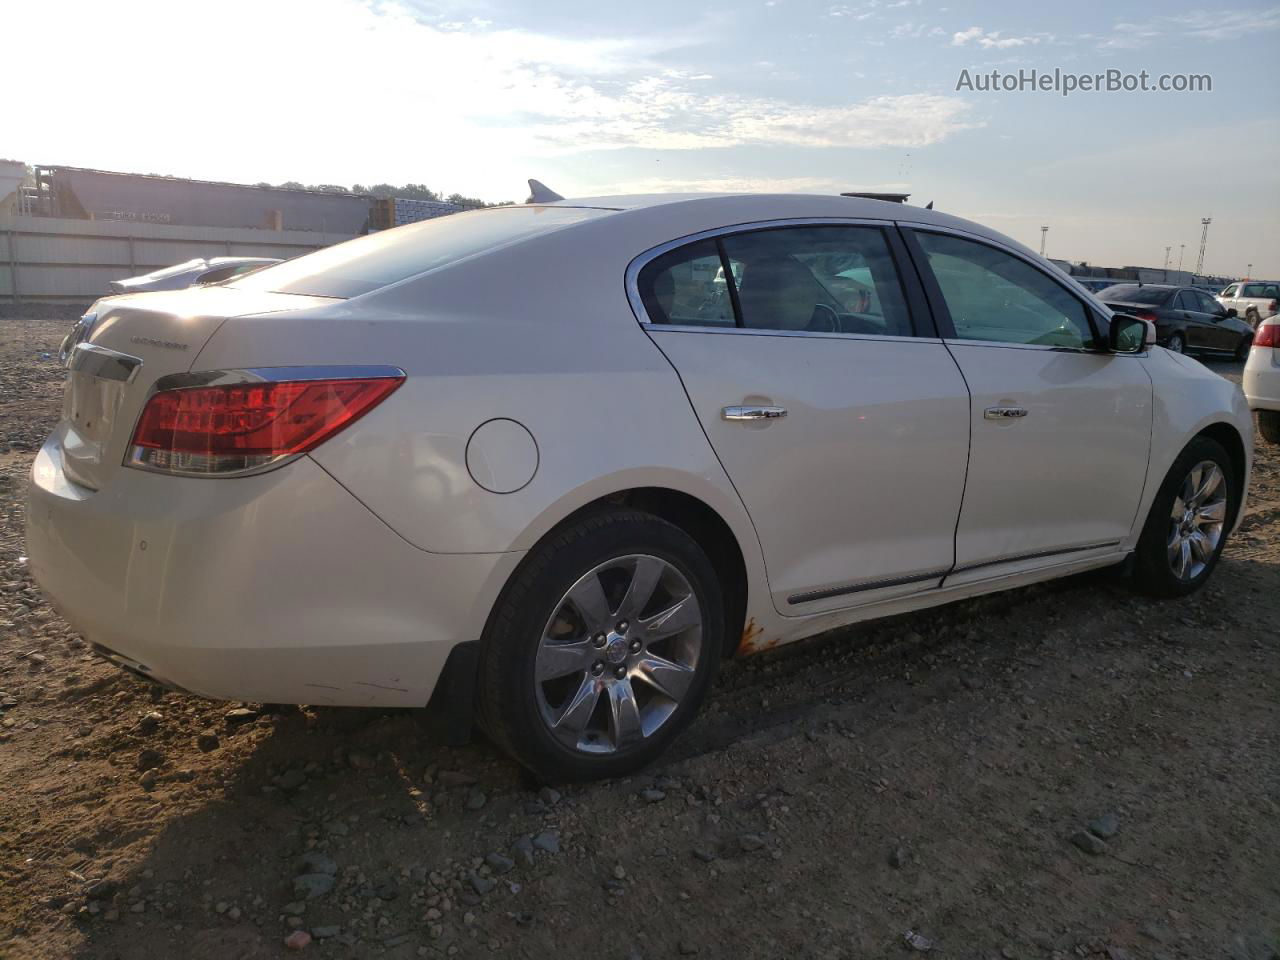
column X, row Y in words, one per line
column 103, row 363
column 640, row 261
column 219, row 378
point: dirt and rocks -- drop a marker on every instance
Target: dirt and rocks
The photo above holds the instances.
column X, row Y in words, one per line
column 1064, row 771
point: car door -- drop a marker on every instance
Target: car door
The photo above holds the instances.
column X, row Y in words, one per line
column 837, row 412
column 1197, row 324
column 1228, row 297
column 1061, row 430
column 1219, row 334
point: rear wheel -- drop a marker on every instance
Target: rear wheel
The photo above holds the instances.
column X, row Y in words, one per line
column 1251, row 317
column 602, row 648
column 1242, row 351
column 1187, row 526
column 1269, row 425
column 1176, row 343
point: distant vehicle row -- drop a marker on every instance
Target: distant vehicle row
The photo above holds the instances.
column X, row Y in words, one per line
column 1186, row 318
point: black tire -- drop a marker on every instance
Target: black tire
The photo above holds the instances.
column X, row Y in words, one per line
column 1176, row 343
column 1152, row 572
column 1269, row 425
column 508, row 707
column 1242, row 351
column 1252, row 317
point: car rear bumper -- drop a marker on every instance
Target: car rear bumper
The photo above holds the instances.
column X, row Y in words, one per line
column 277, row 588
column 1261, row 379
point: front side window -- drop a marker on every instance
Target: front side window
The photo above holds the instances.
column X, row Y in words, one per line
column 1230, row 291
column 995, row 297
column 813, row 279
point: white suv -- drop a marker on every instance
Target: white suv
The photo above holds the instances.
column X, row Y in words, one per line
column 1254, row 300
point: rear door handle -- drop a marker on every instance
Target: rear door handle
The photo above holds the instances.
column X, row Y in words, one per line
column 1005, row 413
column 752, row 413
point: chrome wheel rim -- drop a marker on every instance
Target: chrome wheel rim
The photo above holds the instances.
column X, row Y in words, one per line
column 618, row 654
column 1175, row 344
column 1197, row 520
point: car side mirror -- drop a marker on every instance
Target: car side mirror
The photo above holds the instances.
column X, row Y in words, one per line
column 1231, row 312
column 1130, row 334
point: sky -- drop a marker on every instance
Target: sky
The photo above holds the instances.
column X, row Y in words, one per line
column 664, row 96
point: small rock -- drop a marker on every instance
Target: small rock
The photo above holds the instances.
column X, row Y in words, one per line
column 548, row 841
column 476, row 800
column 148, row 780
column 360, row 761
column 324, row 933
column 897, row 858
column 312, row 885
column 149, row 722
column 704, row 854
column 297, row 940
column 1087, row 842
column 290, row 780
column 295, row 906
column 100, row 889
column 1106, row 826
column 751, row 842
column 549, row 796
column 652, row 795
column 917, row 941
column 207, row 741
column 149, row 759
column 523, row 850
column 313, row 861
column 498, row 863
column 241, row 715
column 619, row 872
column 336, row 828
column 482, row 885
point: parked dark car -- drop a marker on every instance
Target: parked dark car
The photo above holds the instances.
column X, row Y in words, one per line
column 1187, row 319
column 1094, row 284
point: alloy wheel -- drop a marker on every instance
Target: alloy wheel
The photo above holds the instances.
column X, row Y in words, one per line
column 1175, row 343
column 618, row 654
column 1197, row 520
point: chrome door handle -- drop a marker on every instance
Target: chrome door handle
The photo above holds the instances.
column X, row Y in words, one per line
column 753, row 413
column 1005, row 413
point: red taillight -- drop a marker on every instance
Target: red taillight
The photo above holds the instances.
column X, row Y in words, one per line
column 1146, row 315
column 244, row 426
column 1268, row 335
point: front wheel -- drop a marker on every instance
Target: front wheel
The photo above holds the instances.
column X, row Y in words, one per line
column 1188, row 523
column 1176, row 343
column 1252, row 317
column 602, row 648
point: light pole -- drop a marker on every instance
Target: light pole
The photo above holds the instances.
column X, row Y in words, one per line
column 1204, row 238
column 1043, row 232
column 1167, row 251
column 1181, row 248
column 1248, row 273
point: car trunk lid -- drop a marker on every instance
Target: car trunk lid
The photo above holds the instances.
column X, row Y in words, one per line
column 125, row 345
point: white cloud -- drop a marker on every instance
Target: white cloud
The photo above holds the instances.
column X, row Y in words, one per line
column 346, row 91
column 1199, row 24
column 992, row 40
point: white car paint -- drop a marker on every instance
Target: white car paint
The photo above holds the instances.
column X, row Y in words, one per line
column 347, row 575
column 1261, row 379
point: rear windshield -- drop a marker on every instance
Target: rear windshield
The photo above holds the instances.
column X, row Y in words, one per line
column 367, row 263
column 1132, row 293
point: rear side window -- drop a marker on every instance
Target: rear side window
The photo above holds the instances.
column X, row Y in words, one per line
column 1132, row 293
column 687, row 287
column 996, row 297
column 1185, row 301
column 368, row 263
column 800, row 279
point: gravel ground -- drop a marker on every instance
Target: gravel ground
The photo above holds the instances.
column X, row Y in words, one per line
column 1064, row 771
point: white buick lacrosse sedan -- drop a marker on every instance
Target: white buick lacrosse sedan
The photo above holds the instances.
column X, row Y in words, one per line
column 557, row 460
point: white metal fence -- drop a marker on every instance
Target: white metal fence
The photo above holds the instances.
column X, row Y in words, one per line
column 45, row 259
